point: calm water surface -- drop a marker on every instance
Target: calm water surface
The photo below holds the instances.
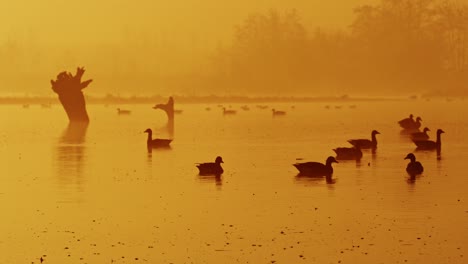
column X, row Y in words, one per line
column 95, row 195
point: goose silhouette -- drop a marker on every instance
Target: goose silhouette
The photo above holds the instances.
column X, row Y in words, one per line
column 410, row 124
column 414, row 167
column 366, row 143
column 429, row 144
column 211, row 168
column 406, row 122
column 123, row 112
column 157, row 142
column 420, row 135
column 353, row 153
column 277, row 112
column 316, row 168
column 229, row 111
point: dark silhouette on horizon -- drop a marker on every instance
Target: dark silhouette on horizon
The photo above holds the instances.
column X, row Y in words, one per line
column 316, row 168
column 157, row 142
column 211, row 168
column 168, row 108
column 414, row 167
column 229, row 111
column 366, row 143
column 123, row 111
column 278, row 112
column 69, row 89
column 429, row 144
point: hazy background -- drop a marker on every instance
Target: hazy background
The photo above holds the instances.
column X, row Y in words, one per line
column 276, row 47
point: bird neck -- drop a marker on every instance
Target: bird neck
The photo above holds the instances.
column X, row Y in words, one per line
column 150, row 136
column 374, row 138
column 438, row 139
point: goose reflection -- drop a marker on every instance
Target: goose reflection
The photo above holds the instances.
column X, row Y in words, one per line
column 314, row 180
column 217, row 179
column 71, row 154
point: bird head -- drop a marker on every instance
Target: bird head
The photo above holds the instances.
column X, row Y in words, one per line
column 410, row 156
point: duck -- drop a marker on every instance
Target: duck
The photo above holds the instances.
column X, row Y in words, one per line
column 429, row 144
column 157, row 142
column 366, row 143
column 421, row 135
column 123, row 112
column 353, row 153
column 277, row 112
column 229, row 111
column 316, row 168
column 414, row 167
column 211, row 168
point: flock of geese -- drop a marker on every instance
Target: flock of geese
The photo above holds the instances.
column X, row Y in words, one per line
column 410, row 126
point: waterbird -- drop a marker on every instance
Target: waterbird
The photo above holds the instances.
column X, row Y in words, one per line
column 406, row 121
column 229, row 111
column 410, row 124
column 316, row 168
column 414, row 167
column 123, row 112
column 211, row 168
column 421, row 135
column 353, row 153
column 429, row 144
column 277, row 112
column 157, row 142
column 366, row 143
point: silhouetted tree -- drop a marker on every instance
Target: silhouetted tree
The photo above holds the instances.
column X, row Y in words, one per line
column 68, row 88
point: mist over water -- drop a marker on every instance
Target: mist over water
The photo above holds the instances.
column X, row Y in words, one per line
column 94, row 194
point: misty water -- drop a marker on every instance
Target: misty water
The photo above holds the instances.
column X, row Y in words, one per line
column 95, row 195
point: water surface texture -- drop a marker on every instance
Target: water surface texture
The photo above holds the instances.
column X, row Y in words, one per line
column 94, row 194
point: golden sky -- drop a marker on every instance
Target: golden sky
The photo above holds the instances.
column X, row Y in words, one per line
column 109, row 20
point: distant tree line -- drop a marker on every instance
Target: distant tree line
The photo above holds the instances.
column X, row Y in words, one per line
column 397, row 46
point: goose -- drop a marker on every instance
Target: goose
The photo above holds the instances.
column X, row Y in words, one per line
column 211, row 168
column 429, row 144
column 316, row 168
column 229, row 111
column 411, row 125
column 277, row 112
column 123, row 112
column 414, row 167
column 157, row 142
column 366, row 143
column 245, row 108
column 353, row 153
column 407, row 122
column 421, row 135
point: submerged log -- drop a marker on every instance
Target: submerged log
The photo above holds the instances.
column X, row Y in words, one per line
column 69, row 89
